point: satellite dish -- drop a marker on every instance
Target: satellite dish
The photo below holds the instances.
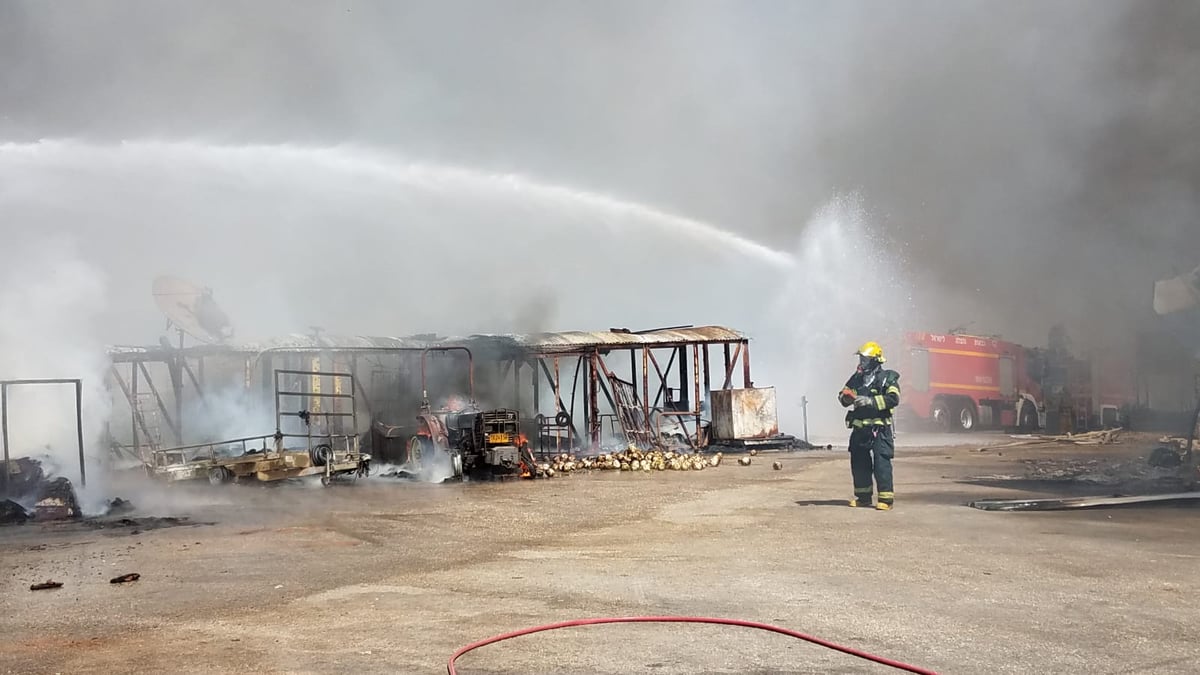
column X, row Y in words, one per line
column 192, row 310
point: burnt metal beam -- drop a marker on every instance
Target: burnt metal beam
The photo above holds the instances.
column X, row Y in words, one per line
column 729, row 365
column 663, row 387
column 162, row 405
column 594, row 426
column 696, row 383
column 553, row 379
column 746, row 381
column 4, row 434
column 131, row 398
column 195, row 383
column 682, row 353
column 4, row 385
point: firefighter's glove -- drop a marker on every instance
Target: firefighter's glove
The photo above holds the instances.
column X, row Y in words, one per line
column 864, row 402
column 848, row 392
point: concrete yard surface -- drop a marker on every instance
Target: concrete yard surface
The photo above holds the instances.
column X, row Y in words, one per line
column 390, row 577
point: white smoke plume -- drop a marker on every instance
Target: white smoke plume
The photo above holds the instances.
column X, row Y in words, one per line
column 50, row 302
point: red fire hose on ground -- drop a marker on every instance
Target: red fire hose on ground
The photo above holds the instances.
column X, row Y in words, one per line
column 450, row 670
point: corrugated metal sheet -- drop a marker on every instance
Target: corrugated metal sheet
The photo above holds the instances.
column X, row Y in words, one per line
column 569, row 341
column 583, row 340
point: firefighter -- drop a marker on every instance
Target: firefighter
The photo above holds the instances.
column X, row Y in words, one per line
column 871, row 393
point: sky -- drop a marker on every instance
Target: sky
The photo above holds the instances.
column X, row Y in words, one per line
column 1012, row 165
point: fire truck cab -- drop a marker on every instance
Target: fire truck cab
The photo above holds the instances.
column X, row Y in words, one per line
column 966, row 382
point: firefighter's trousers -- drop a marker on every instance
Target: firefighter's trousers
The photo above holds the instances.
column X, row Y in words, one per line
column 871, row 452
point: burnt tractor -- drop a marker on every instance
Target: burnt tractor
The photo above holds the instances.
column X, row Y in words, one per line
column 461, row 440
column 484, row 443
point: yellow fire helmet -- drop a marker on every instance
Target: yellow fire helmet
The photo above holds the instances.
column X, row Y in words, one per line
column 871, row 350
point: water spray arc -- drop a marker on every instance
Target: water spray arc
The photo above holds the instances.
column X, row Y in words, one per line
column 377, row 166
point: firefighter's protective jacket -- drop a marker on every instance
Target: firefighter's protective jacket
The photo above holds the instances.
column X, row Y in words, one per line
column 882, row 386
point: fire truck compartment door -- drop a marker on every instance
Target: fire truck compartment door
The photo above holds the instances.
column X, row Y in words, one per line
column 918, row 378
column 1007, row 372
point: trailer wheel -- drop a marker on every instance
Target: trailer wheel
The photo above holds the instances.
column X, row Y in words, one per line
column 321, row 454
column 965, row 417
column 219, row 475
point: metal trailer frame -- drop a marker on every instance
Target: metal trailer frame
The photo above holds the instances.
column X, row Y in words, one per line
column 4, row 386
column 276, row 462
column 583, row 391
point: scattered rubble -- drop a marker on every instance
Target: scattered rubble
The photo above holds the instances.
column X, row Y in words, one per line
column 1103, row 437
column 125, row 578
column 1092, row 472
column 56, row 501
column 777, row 466
column 1164, row 457
column 46, row 585
column 117, row 505
column 24, row 477
column 12, row 512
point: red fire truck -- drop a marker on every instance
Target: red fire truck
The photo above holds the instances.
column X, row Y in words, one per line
column 966, row 382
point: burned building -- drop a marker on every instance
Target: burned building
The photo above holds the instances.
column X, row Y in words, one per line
column 573, row 389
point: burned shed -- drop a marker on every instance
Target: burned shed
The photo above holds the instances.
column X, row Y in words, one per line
column 572, row 389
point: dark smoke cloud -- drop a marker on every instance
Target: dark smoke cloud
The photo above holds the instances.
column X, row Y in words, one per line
column 1040, row 159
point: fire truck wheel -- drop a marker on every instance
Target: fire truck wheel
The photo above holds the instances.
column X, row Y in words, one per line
column 965, row 417
column 219, row 475
column 940, row 414
column 1028, row 416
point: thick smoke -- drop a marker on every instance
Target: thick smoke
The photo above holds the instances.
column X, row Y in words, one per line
column 51, row 300
column 1030, row 163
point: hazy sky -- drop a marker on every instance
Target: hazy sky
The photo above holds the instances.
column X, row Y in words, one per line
column 1041, row 159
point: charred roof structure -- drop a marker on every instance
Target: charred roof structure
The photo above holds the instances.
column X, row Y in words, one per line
column 577, row 387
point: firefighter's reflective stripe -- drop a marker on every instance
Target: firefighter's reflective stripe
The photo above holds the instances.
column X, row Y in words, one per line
column 887, row 496
column 880, row 403
column 863, row 491
column 876, row 422
column 892, row 390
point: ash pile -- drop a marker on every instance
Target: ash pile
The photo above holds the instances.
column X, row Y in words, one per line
column 29, row 494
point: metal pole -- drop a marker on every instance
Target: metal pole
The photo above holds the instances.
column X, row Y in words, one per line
column 135, row 409
column 683, row 386
column 746, row 382
column 646, row 386
column 804, row 407
column 728, row 367
column 696, row 388
column 4, row 432
column 79, row 430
